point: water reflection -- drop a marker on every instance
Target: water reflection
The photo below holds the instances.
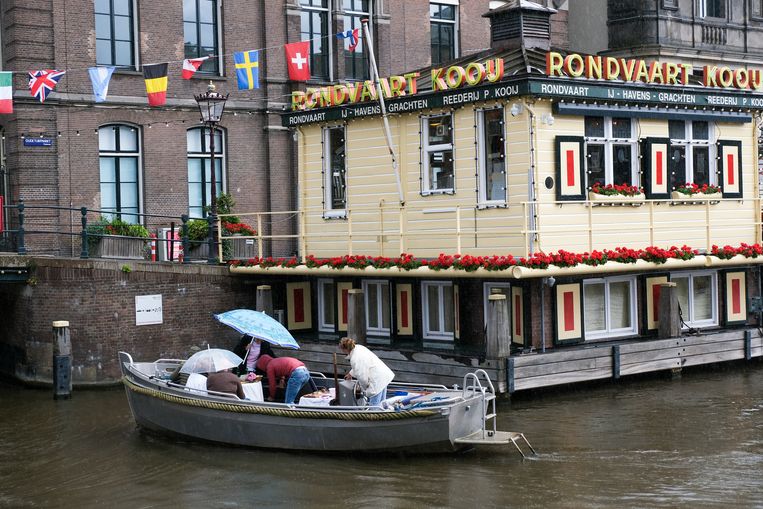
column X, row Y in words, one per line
column 693, row 442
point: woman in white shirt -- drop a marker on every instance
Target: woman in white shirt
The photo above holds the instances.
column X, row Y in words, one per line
column 372, row 374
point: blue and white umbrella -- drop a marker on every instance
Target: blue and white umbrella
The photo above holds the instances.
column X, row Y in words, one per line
column 259, row 325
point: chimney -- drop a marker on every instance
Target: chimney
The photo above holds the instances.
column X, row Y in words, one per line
column 520, row 23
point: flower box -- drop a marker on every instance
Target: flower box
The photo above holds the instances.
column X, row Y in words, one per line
column 696, row 196
column 118, row 246
column 635, row 199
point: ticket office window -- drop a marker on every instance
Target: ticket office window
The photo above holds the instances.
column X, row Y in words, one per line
column 491, row 156
column 692, row 154
column 611, row 151
column 437, row 154
column 335, row 172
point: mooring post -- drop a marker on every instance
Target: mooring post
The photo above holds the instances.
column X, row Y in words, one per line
column 670, row 320
column 356, row 316
column 62, row 360
column 265, row 299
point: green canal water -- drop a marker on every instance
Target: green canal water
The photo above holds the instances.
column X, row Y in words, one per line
column 691, row 442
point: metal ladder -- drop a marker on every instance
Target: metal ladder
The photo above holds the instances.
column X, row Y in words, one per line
column 485, row 436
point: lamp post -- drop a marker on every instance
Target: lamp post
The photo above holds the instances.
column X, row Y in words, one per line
column 211, row 106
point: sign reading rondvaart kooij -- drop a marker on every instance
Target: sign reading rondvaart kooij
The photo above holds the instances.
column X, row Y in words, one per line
column 629, row 81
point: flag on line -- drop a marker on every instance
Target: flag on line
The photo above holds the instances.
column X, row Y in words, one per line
column 6, row 104
column 298, row 60
column 42, row 83
column 100, row 77
column 156, row 83
column 191, row 65
column 247, row 69
column 352, row 35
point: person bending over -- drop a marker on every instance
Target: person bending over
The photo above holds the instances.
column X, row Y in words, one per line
column 372, row 374
column 284, row 368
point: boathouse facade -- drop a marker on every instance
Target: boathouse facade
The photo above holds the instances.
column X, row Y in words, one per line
column 574, row 185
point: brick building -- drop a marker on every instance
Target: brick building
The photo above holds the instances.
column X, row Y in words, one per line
column 123, row 155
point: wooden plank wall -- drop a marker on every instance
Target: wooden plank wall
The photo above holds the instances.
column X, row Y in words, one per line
column 595, row 362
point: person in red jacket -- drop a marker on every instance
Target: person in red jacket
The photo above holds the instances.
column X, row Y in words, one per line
column 280, row 369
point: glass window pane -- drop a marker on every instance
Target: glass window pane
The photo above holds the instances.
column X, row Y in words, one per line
column 107, row 169
column 107, row 139
column 327, row 295
column 703, row 298
column 682, row 290
column 385, row 305
column 594, row 307
column 194, row 170
column 122, row 7
column 441, row 170
column 434, row 11
column 190, row 37
column 108, row 196
column 700, row 130
column 194, row 198
column 207, row 11
column 373, row 306
column 103, row 26
column 189, row 10
column 495, row 179
column 103, row 52
column 677, row 129
column 123, row 53
column 193, row 139
column 128, row 139
column 621, row 164
column 701, row 162
column 448, row 312
column 128, row 195
column 433, row 308
column 122, row 28
column 620, row 305
column 621, row 128
column 440, row 130
column 207, row 38
column 595, row 159
column 448, row 12
column 102, row 6
column 594, row 127
column 128, row 169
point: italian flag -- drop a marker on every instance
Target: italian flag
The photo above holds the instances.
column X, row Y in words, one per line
column 6, row 92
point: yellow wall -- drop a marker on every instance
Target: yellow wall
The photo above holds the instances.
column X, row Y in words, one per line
column 431, row 222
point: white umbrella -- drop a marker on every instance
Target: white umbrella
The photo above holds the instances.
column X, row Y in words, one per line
column 211, row 360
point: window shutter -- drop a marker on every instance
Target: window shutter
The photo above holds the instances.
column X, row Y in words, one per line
column 569, row 313
column 736, row 298
column 654, row 168
column 517, row 312
column 404, row 309
column 342, row 299
column 730, row 168
column 299, row 312
column 570, row 183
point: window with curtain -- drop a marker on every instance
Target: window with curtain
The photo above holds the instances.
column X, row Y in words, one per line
column 692, row 153
column 491, row 156
column 199, row 169
column 438, row 310
column 119, row 159
column 611, row 151
column 437, row 153
column 356, row 62
column 610, row 307
column 115, row 32
column 334, row 171
column 378, row 316
column 697, row 298
column 314, row 28
column 326, row 305
column 443, row 25
column 200, row 33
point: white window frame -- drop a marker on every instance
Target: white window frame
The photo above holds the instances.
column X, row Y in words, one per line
column 439, row 334
column 482, row 158
column 427, row 149
column 124, row 154
column 608, row 331
column 608, row 141
column 324, row 326
column 688, row 315
column 486, row 290
column 690, row 143
column 456, row 23
column 329, row 212
column 377, row 284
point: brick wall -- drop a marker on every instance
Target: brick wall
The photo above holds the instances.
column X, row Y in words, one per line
column 98, row 299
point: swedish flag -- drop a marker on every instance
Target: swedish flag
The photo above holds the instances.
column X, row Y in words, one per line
column 247, row 69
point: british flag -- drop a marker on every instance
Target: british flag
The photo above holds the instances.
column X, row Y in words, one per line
column 42, row 83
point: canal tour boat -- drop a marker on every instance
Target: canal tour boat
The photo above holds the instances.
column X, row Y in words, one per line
column 417, row 418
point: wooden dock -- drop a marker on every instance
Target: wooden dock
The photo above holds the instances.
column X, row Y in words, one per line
column 557, row 366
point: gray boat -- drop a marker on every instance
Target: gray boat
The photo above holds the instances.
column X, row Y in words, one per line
column 417, row 418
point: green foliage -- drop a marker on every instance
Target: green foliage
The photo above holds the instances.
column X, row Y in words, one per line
column 115, row 226
column 126, row 269
column 198, row 229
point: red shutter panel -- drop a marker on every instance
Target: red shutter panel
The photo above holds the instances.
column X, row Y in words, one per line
column 730, row 168
column 569, row 312
column 570, row 165
column 736, row 298
column 654, row 166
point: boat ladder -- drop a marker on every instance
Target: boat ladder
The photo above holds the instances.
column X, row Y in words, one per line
column 474, row 384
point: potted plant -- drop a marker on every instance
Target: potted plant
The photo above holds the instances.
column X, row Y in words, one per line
column 616, row 193
column 198, row 232
column 115, row 238
column 693, row 192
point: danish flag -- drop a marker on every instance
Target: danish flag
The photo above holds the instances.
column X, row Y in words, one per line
column 42, row 83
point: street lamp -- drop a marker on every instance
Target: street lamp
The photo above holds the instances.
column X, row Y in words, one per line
column 211, row 106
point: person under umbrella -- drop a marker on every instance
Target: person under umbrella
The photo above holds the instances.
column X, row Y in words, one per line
column 251, row 348
column 225, row 381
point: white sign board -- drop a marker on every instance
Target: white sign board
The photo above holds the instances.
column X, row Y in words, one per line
column 148, row 309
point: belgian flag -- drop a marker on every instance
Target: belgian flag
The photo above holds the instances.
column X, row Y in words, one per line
column 156, row 83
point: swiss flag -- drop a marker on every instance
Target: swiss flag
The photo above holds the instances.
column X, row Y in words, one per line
column 298, row 60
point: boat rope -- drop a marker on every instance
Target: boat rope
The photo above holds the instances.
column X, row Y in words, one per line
column 248, row 408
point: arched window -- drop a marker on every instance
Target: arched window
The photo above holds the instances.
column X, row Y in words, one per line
column 199, row 165
column 119, row 154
